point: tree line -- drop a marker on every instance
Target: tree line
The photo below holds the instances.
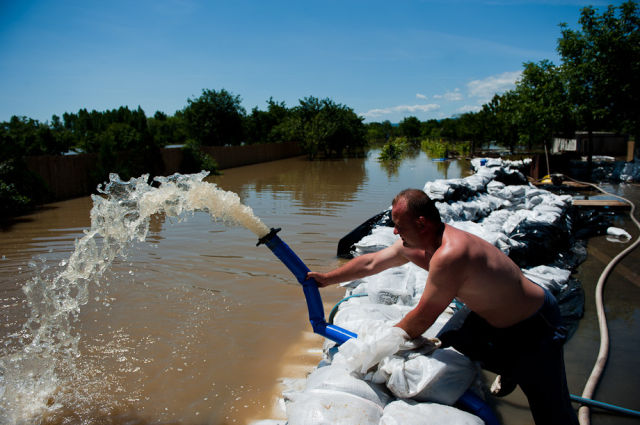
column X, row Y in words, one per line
column 128, row 142
column 596, row 87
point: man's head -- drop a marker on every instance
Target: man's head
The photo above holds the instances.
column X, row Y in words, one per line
column 416, row 217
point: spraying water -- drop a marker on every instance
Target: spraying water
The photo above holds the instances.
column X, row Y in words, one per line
column 38, row 363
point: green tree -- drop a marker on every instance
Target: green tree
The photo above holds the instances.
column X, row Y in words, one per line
column 167, row 130
column 22, row 136
column 376, row 133
column 473, row 130
column 502, row 112
column 409, row 127
column 261, row 126
column 601, row 65
column 430, row 129
column 20, row 189
column 393, row 149
column 216, row 118
column 323, row 126
column 541, row 102
column 380, row 132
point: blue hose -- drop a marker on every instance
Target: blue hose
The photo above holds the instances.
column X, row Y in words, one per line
column 334, row 310
column 469, row 401
column 605, row 406
column 309, row 287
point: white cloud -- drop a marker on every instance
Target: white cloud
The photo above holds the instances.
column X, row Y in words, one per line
column 451, row 96
column 485, row 89
column 420, row 96
column 374, row 113
column 469, row 108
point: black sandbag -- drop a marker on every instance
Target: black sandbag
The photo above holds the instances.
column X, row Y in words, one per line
column 541, row 242
column 346, row 244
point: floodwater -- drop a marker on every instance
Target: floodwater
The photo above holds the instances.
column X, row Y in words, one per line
column 197, row 325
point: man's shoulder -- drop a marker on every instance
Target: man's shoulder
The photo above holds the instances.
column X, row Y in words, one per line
column 453, row 250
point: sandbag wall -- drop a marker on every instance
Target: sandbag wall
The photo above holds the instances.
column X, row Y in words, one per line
column 420, row 383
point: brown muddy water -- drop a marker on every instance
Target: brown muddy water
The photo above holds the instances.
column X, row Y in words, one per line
column 197, row 325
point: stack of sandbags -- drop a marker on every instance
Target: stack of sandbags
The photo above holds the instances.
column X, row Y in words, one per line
column 379, row 378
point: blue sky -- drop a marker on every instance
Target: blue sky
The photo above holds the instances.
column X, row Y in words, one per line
column 386, row 60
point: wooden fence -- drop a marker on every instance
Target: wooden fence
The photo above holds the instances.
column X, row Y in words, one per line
column 68, row 176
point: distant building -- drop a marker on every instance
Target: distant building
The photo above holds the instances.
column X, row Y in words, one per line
column 604, row 143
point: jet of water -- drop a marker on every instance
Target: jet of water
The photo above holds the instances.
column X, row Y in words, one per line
column 34, row 360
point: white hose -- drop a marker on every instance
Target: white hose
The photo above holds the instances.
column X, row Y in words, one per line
column 603, row 353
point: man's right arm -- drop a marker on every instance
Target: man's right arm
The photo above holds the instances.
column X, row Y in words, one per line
column 363, row 266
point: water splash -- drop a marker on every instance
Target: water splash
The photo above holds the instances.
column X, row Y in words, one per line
column 39, row 361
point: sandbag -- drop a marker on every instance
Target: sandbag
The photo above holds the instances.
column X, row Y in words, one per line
column 441, row 377
column 327, row 407
column 358, row 355
column 553, row 279
column 391, row 286
column 335, row 378
column 380, row 237
column 408, row 413
column 355, row 316
column 622, row 234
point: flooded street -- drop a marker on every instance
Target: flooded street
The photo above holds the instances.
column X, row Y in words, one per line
column 197, row 325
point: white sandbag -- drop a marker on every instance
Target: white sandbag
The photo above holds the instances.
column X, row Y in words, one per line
column 446, row 213
column 514, row 219
column 326, row 407
column 416, row 280
column 353, row 315
column 334, row 378
column 497, row 239
column 618, row 233
column 553, row 279
column 391, row 286
column 494, row 187
column 380, row 237
column 441, row 377
column 477, row 182
column 494, row 221
column 438, row 190
column 358, row 355
column 402, row 412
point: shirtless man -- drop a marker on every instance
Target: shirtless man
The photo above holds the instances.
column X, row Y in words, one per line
column 514, row 327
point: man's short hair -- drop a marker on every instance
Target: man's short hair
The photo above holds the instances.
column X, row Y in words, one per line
column 419, row 204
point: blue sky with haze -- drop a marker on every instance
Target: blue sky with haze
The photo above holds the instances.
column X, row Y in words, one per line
column 386, row 60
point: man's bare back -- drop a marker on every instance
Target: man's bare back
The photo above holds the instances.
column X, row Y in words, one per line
column 460, row 265
column 466, row 267
column 485, row 279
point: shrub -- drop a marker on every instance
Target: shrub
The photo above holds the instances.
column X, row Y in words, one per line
column 393, row 149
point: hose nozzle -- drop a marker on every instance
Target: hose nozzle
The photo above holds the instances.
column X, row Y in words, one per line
column 266, row 238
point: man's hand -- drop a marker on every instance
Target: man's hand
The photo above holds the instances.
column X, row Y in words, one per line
column 320, row 278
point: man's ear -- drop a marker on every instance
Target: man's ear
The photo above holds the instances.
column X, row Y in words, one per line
column 421, row 222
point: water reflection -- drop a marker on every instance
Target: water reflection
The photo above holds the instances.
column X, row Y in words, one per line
column 391, row 167
column 317, row 186
column 443, row 168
